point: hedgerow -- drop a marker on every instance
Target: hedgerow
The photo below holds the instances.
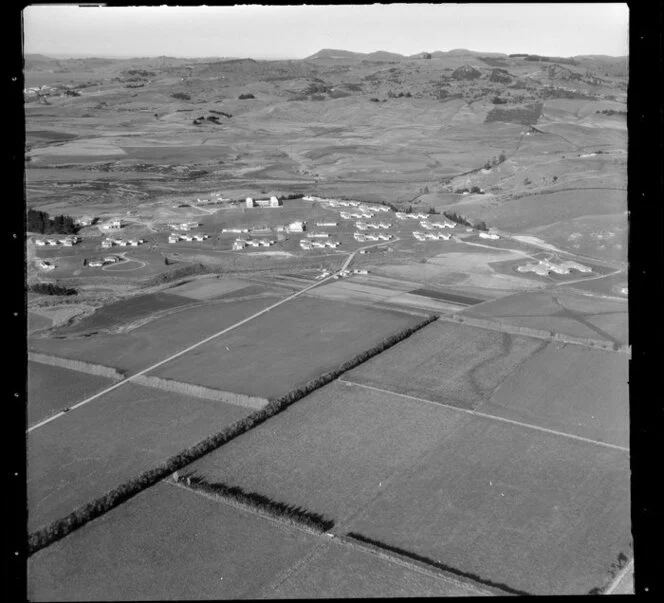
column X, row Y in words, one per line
column 260, row 502
column 61, row 527
column 377, row 545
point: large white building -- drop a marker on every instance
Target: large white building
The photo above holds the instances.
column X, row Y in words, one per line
column 271, row 202
column 297, row 226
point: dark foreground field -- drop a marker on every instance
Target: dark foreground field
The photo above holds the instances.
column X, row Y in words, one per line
column 538, row 512
column 286, row 347
column 52, row 388
column 112, row 439
column 166, row 543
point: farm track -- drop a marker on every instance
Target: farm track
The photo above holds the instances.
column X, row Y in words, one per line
column 492, row 417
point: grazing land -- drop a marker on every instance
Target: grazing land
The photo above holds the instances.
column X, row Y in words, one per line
column 102, row 444
column 53, row 388
column 333, row 451
column 167, row 543
column 535, row 511
column 560, row 312
column 568, row 388
column 449, row 363
column 285, row 347
column 344, row 571
column 156, row 340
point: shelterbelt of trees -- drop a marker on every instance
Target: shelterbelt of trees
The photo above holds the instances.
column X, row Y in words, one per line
column 41, row 222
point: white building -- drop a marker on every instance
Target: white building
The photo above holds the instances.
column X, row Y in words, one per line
column 115, row 224
column 297, row 226
column 95, row 264
column 488, row 235
column 238, row 230
column 110, row 259
column 326, row 223
column 40, row 242
column 271, row 202
column 316, row 235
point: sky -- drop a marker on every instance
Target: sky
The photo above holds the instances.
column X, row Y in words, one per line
column 295, row 32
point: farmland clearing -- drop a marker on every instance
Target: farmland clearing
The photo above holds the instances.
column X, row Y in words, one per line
column 85, row 453
column 536, row 512
column 325, row 333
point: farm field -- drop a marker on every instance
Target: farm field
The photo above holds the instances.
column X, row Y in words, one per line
column 333, row 451
column 286, row 347
column 538, row 512
column 559, row 311
column 156, row 340
column 568, row 388
column 209, row 288
column 112, row 439
column 126, row 311
column 166, row 543
column 345, row 571
column 52, row 388
column 37, row 322
column 449, row 363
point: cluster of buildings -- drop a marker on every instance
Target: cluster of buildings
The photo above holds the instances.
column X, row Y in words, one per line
column 365, row 225
column 114, row 224
column 175, row 237
column 308, row 244
column 242, row 243
column 68, row 241
column 84, row 221
column 362, row 237
column 363, row 213
column 214, row 198
column 431, row 236
column 488, row 235
column 98, row 263
column 108, row 242
column 431, row 225
column 543, row 267
column 271, row 202
column 413, row 216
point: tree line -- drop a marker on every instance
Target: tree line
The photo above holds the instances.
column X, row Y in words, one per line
column 51, row 289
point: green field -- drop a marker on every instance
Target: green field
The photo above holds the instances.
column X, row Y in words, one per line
column 571, row 389
column 52, row 388
column 449, row 363
column 209, row 288
column 286, row 347
column 100, row 445
column 342, row 571
column 166, row 543
column 333, row 451
column 561, row 311
column 538, row 512
column 156, row 340
column 37, row 322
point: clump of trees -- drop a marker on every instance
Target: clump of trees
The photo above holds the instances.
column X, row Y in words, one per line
column 260, row 502
column 246, row 96
column 52, row 289
column 41, row 222
column 495, row 161
column 611, row 112
column 459, row 219
column 181, row 96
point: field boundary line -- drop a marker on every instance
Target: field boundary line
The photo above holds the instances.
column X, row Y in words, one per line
column 618, row 579
column 281, row 524
column 178, row 354
column 488, row 416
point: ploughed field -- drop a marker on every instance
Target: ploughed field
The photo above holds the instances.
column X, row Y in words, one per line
column 105, row 443
column 286, row 347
